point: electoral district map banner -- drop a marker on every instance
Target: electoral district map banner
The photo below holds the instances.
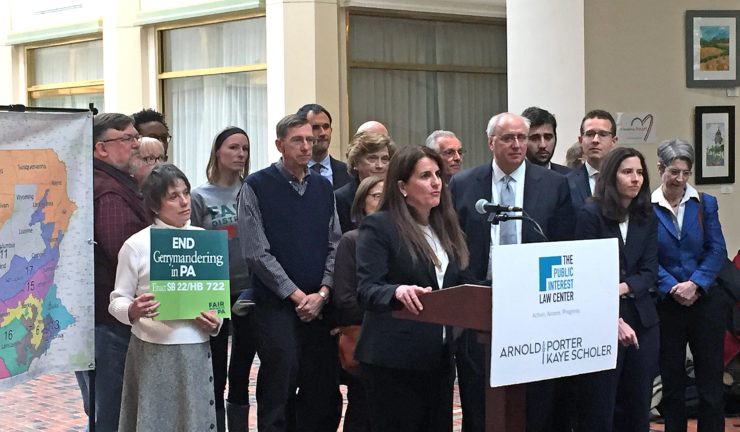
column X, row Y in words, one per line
column 46, row 255
column 555, row 310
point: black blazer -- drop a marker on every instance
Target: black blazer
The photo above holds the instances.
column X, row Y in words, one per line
column 345, row 195
column 560, row 169
column 580, row 190
column 347, row 309
column 638, row 260
column 546, row 200
column 384, row 263
column 340, row 176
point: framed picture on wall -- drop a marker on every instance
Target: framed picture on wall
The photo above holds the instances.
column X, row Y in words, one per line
column 712, row 48
column 714, row 138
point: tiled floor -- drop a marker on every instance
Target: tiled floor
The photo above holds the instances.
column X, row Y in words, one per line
column 52, row 403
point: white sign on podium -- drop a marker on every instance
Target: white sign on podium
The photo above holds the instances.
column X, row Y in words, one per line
column 555, row 310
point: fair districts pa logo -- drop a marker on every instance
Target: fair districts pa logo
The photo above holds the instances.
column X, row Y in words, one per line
column 556, row 279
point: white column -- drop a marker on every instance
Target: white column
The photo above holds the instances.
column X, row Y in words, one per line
column 123, row 59
column 302, row 62
column 546, row 63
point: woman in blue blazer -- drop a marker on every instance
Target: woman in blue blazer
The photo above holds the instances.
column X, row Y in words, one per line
column 412, row 246
column 691, row 250
column 619, row 399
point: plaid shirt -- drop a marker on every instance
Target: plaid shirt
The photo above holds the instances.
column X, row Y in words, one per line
column 119, row 213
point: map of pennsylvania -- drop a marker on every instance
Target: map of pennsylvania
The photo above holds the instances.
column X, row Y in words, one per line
column 35, row 213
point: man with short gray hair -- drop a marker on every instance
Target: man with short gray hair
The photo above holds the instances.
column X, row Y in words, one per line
column 507, row 179
column 450, row 148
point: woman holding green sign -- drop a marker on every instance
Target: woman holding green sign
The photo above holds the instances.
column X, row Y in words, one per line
column 167, row 380
column 214, row 207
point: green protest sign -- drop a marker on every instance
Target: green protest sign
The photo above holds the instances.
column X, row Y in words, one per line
column 189, row 273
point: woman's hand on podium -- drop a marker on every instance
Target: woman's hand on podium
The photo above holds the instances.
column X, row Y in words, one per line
column 408, row 295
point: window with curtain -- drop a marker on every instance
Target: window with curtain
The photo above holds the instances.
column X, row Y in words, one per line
column 68, row 75
column 214, row 76
column 417, row 76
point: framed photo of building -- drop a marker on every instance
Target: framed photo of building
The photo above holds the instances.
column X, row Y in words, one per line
column 712, row 48
column 714, row 138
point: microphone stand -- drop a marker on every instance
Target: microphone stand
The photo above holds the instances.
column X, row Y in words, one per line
column 496, row 217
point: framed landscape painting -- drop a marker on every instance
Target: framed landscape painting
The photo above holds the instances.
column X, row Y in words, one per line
column 714, row 138
column 712, row 48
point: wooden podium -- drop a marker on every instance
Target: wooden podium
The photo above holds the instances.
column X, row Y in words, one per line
column 469, row 306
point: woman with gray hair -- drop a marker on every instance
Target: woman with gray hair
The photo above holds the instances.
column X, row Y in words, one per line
column 691, row 251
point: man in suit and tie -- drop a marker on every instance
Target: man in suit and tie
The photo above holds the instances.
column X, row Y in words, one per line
column 543, row 137
column 598, row 136
column 545, row 198
column 321, row 161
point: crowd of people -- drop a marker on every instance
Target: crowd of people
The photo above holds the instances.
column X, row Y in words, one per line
column 325, row 251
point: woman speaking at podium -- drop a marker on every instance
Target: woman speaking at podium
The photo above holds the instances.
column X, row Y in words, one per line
column 619, row 399
column 412, row 246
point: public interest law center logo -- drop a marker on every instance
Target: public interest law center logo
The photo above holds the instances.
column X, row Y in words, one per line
column 556, row 279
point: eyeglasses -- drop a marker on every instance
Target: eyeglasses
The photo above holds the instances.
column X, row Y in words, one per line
column 452, row 152
column 509, row 138
column 151, row 160
column 590, row 134
column 376, row 196
column 124, row 138
column 675, row 172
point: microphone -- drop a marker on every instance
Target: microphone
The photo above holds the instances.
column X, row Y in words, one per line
column 483, row 207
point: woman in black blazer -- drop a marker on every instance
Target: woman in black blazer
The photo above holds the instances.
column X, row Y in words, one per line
column 619, row 399
column 412, row 246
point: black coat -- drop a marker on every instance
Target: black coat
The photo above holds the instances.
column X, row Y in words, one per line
column 384, row 263
column 546, row 200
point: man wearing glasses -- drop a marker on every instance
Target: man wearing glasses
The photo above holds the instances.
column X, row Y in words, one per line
column 151, row 124
column 119, row 213
column 543, row 194
column 450, row 148
column 289, row 230
column 598, row 137
column 543, row 138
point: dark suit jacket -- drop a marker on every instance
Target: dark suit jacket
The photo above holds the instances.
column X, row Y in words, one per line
column 697, row 253
column 344, row 291
column 560, row 169
column 638, row 260
column 340, row 176
column 580, row 190
column 345, row 195
column 384, row 263
column 546, row 200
